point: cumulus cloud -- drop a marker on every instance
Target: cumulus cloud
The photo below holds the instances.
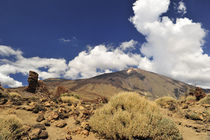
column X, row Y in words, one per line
column 175, row 49
column 19, row 64
column 182, row 8
column 102, row 59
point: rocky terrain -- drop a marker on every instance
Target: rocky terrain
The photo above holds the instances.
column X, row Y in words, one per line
column 51, row 110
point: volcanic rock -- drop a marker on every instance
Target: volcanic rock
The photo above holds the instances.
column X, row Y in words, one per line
column 32, row 82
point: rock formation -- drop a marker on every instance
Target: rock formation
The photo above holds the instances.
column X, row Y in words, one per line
column 198, row 93
column 32, row 81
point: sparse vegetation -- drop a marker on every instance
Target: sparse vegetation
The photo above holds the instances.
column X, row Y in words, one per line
column 71, row 94
column 192, row 116
column 10, row 128
column 207, row 114
column 205, row 100
column 167, row 102
column 14, row 94
column 130, row 116
column 69, row 99
column 190, row 99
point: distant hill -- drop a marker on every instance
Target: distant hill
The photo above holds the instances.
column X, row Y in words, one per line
column 146, row 83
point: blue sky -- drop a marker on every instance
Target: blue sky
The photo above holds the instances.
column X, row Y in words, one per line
column 65, row 33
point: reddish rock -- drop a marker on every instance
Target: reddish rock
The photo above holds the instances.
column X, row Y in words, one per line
column 32, row 82
column 198, row 93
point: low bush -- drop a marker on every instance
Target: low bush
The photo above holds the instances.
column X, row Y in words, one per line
column 167, row 102
column 190, row 99
column 69, row 99
column 192, row 116
column 10, row 128
column 205, row 100
column 130, row 116
column 71, row 94
column 14, row 94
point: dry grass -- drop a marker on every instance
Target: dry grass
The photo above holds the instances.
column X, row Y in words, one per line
column 14, row 94
column 71, row 94
column 190, row 99
column 69, row 99
column 205, row 100
column 167, row 102
column 130, row 116
column 10, row 128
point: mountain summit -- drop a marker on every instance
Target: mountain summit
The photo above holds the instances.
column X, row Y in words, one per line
column 146, row 83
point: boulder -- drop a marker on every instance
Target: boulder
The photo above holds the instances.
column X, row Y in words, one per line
column 40, row 118
column 32, row 82
column 61, row 124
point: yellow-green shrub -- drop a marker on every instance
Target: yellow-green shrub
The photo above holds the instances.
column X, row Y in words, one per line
column 190, row 99
column 167, row 102
column 130, row 116
column 71, row 94
column 14, row 94
column 205, row 100
column 10, row 128
column 69, row 99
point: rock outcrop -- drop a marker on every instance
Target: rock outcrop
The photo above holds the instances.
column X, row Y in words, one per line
column 198, row 93
column 32, row 81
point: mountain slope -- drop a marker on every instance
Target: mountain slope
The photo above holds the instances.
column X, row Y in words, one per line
column 143, row 82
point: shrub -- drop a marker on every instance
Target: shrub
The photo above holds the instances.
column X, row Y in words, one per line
column 167, row 102
column 205, row 100
column 190, row 99
column 71, row 94
column 130, row 116
column 192, row 116
column 207, row 114
column 69, row 99
column 10, row 128
column 14, row 94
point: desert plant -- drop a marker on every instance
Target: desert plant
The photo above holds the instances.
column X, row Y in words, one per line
column 207, row 114
column 192, row 116
column 10, row 128
column 69, row 99
column 205, row 100
column 167, row 102
column 14, row 94
column 130, row 116
column 71, row 94
column 190, row 99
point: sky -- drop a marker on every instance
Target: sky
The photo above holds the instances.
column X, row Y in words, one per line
column 75, row 39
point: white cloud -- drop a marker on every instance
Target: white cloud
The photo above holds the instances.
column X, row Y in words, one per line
column 54, row 67
column 128, row 45
column 101, row 59
column 182, row 8
column 64, row 40
column 175, row 48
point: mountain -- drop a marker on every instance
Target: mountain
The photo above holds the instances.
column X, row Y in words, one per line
column 146, row 83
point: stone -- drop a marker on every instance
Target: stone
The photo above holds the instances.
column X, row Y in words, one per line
column 34, row 134
column 3, row 101
column 43, row 135
column 40, row 126
column 84, row 132
column 32, row 82
column 198, row 93
column 40, row 118
column 61, row 124
column 47, row 123
column 68, row 137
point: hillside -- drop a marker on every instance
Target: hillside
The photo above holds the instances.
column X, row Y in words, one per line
column 146, row 83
